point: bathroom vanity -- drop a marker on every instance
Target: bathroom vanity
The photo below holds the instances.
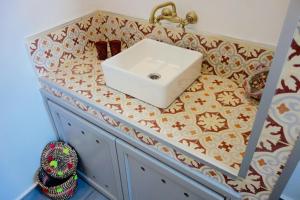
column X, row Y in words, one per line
column 106, row 161
column 129, row 149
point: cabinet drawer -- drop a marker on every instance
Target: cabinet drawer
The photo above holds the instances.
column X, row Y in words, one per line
column 95, row 147
column 143, row 177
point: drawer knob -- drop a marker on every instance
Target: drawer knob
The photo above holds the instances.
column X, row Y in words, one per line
column 186, row 194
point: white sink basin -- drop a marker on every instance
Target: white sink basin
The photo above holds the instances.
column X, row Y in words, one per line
column 152, row 71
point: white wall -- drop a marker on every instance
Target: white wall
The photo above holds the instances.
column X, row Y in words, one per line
column 24, row 126
column 254, row 20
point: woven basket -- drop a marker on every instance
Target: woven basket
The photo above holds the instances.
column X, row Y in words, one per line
column 59, row 160
column 56, row 190
column 255, row 84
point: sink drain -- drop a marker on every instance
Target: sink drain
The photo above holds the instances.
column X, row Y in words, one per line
column 154, row 76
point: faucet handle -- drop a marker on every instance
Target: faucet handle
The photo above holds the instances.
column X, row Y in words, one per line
column 191, row 17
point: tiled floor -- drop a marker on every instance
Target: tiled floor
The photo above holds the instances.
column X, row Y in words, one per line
column 84, row 192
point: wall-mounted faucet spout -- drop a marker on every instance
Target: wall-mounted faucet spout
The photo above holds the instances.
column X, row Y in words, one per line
column 171, row 15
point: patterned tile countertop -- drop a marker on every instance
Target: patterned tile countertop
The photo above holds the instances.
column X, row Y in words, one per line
column 209, row 123
column 211, row 120
column 187, row 131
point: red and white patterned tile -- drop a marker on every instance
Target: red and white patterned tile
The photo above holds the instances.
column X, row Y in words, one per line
column 67, row 58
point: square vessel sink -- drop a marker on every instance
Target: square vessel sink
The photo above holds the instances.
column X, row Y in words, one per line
column 152, row 71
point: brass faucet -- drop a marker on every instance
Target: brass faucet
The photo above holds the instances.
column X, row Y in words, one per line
column 171, row 15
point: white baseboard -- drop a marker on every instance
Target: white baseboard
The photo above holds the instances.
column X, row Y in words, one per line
column 26, row 192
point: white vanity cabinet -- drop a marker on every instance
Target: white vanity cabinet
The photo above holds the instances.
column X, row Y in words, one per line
column 145, row 178
column 119, row 170
column 95, row 148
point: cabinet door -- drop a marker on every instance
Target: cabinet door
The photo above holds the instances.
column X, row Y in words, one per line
column 145, row 178
column 95, row 147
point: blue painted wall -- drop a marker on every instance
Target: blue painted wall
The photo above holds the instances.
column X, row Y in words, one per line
column 24, row 124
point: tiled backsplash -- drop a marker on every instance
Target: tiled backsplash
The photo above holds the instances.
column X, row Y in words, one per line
column 223, row 56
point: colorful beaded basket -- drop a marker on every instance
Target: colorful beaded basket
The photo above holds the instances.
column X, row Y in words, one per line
column 56, row 189
column 59, row 160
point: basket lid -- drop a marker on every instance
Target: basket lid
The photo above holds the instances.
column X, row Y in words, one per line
column 59, row 160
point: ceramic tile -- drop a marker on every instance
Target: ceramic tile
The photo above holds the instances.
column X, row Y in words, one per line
column 202, row 120
column 264, row 195
column 225, row 57
column 211, row 117
column 270, row 166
